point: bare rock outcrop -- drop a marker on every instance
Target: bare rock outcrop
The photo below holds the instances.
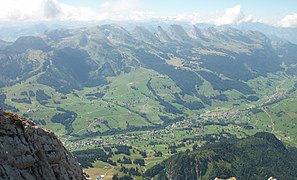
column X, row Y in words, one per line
column 28, row 151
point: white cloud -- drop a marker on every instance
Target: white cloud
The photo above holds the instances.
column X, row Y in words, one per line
column 29, row 10
column 105, row 5
column 288, row 21
column 77, row 13
column 127, row 16
column 118, row 6
column 189, row 17
column 118, row 10
column 232, row 15
column 37, row 10
column 40, row 10
column 139, row 15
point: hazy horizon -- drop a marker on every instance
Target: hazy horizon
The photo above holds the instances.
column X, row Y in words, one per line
column 277, row 13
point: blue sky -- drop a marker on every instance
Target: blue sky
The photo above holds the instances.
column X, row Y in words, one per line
column 275, row 12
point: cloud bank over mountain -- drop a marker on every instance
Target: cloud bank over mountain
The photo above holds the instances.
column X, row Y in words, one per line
column 232, row 15
column 289, row 21
column 118, row 10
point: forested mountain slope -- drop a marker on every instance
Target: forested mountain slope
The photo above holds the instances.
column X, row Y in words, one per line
column 257, row 157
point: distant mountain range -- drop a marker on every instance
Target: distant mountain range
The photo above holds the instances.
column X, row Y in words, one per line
column 11, row 31
column 199, row 66
column 84, row 57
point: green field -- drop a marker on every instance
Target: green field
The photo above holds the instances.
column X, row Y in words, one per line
column 127, row 102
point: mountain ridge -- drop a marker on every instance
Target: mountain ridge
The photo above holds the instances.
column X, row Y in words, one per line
column 10, row 32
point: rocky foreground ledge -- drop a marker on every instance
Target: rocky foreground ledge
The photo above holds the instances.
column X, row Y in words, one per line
column 28, row 151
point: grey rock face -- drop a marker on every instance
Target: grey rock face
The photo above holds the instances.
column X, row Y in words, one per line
column 29, row 152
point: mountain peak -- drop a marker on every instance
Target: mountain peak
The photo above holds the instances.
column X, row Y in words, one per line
column 145, row 35
column 178, row 33
column 116, row 33
column 196, row 33
column 162, row 35
column 22, row 44
column 113, row 28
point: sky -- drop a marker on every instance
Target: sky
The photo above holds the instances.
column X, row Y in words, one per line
column 274, row 12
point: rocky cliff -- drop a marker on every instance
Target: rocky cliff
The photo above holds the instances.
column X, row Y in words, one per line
column 29, row 152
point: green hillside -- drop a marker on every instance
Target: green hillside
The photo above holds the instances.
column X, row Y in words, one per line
column 257, row 157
